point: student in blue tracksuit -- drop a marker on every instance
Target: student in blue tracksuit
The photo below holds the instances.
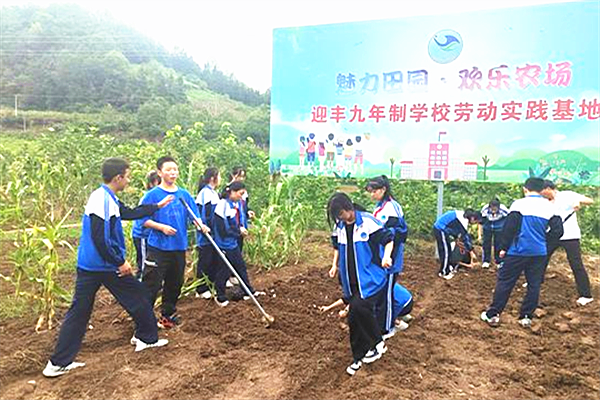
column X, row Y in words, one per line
column 139, row 233
column 101, row 261
column 207, row 200
column 452, row 225
column 389, row 212
column 493, row 216
column 227, row 228
column 531, row 227
column 357, row 239
column 167, row 241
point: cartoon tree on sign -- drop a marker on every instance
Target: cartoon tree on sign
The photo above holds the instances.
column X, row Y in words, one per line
column 486, row 161
column 392, row 161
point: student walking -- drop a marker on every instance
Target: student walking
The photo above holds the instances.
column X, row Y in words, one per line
column 389, row 212
column 101, row 262
column 356, row 238
column 530, row 226
column 207, row 201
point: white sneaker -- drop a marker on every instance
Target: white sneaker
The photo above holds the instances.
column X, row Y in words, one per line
column 485, row 265
column 402, row 325
column 139, row 345
column 407, row 318
column 222, row 303
column 207, row 295
column 446, row 277
column 352, row 368
column 525, row 284
column 256, row 294
column 389, row 334
column 228, row 283
column 582, row 301
column 234, row 280
column 375, row 354
column 52, row 371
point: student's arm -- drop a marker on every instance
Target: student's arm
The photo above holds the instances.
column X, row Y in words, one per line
column 166, row 229
column 226, row 228
column 556, row 230
column 479, row 232
column 108, row 253
column 335, row 304
column 192, row 204
column 384, row 237
column 399, row 226
column 143, row 210
column 510, row 231
column 334, row 263
column 582, row 201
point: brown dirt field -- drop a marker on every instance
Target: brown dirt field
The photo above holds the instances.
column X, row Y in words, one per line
column 447, row 353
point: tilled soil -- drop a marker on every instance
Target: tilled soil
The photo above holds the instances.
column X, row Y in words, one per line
column 228, row 353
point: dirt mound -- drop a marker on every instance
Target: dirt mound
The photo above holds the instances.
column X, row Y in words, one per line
column 227, row 353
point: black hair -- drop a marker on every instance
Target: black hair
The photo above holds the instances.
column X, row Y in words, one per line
column 152, row 179
column 330, row 136
column 495, row 202
column 165, row 159
column 302, row 139
column 380, row 182
column 548, row 184
column 472, row 214
column 233, row 187
column 209, row 173
column 349, row 142
column 358, row 139
column 112, row 167
column 534, row 184
column 340, row 202
column 238, row 169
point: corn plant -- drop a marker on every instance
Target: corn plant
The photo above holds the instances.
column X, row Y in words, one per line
column 276, row 235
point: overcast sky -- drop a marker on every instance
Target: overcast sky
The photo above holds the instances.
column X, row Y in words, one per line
column 237, row 34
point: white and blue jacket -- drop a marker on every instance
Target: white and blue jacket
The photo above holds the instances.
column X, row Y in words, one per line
column 530, row 225
column 207, row 201
column 369, row 235
column 226, row 224
column 491, row 221
column 390, row 214
column 102, row 244
column 453, row 223
column 401, row 299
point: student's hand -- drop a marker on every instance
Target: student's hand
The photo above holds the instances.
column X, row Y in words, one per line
column 251, row 214
column 168, row 230
column 576, row 206
column 473, row 257
column 386, row 262
column 343, row 313
column 333, row 271
column 502, row 253
column 125, row 269
column 204, row 228
column 166, row 201
column 243, row 231
column 324, row 308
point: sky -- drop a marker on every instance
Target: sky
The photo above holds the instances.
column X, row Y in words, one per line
column 237, row 35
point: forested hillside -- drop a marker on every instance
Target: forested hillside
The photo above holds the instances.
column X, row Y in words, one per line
column 64, row 58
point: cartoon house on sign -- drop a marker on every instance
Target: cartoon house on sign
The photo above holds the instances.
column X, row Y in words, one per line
column 438, row 165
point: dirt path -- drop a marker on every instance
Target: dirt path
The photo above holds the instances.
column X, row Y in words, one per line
column 229, row 354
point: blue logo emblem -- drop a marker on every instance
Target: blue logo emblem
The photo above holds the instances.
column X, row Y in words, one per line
column 363, row 235
column 445, row 46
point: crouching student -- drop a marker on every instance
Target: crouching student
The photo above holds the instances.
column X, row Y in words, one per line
column 460, row 256
column 389, row 212
column 357, row 239
column 139, row 233
column 167, row 242
column 228, row 228
column 101, row 261
column 449, row 226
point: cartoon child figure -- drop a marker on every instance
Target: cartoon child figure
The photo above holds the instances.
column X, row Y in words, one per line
column 348, row 153
column 339, row 155
column 330, row 151
column 358, row 155
column 302, row 151
column 311, row 148
column 321, row 155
